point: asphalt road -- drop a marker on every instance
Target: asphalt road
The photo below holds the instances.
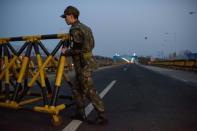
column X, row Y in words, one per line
column 137, row 99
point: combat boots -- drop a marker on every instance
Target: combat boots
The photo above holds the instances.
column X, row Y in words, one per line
column 79, row 115
column 99, row 120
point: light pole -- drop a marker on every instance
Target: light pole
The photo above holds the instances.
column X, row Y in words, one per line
column 192, row 12
column 171, row 38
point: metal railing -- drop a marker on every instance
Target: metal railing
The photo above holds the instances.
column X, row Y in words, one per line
column 177, row 64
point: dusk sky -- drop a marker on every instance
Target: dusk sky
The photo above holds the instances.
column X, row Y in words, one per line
column 119, row 26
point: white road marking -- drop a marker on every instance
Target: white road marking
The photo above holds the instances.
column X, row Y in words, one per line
column 180, row 79
column 74, row 124
column 124, row 69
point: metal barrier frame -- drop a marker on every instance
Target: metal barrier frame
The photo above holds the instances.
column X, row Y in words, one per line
column 9, row 58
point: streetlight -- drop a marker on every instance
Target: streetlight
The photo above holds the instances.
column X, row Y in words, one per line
column 171, row 38
column 192, row 12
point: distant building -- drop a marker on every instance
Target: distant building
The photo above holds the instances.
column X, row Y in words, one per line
column 125, row 58
column 192, row 56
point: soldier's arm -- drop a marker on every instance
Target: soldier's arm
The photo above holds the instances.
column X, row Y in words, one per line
column 77, row 36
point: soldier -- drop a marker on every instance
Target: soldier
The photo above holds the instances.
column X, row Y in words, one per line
column 82, row 43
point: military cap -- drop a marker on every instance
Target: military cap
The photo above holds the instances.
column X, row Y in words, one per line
column 70, row 10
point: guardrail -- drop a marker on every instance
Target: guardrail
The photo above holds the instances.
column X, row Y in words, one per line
column 177, row 64
column 16, row 71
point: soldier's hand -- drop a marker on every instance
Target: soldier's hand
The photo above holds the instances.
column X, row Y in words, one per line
column 68, row 52
column 63, row 50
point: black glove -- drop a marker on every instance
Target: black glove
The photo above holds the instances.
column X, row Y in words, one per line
column 68, row 52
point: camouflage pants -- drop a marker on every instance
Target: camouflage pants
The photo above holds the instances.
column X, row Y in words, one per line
column 83, row 88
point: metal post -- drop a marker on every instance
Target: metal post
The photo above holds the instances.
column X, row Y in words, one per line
column 7, row 78
column 24, row 66
column 59, row 74
column 48, row 85
column 43, row 84
column 1, row 62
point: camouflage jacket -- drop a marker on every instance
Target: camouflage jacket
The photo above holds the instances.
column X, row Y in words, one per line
column 82, row 41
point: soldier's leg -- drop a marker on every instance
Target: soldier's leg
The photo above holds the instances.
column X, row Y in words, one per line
column 79, row 99
column 91, row 94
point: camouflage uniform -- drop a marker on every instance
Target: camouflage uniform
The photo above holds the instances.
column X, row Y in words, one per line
column 82, row 43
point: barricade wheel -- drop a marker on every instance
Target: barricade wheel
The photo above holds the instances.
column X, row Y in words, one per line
column 56, row 120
